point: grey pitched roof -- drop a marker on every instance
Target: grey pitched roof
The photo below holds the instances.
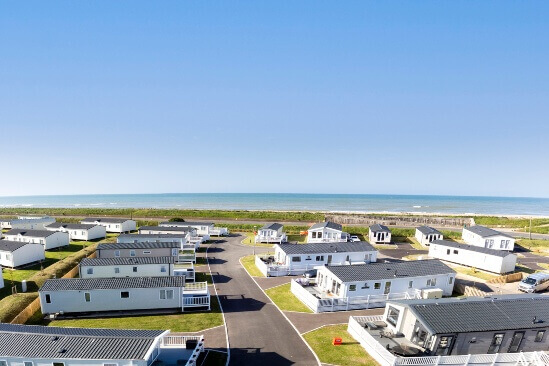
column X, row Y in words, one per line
column 57, row 225
column 472, row 248
column 144, row 237
column 122, row 261
column 485, row 231
column 426, row 230
column 139, row 245
column 318, row 248
column 272, row 226
column 31, row 341
column 104, row 220
column 328, row 224
column 378, row 228
column 12, row 246
column 186, row 223
column 179, row 229
column 80, row 284
column 31, row 233
column 382, row 271
column 482, row 314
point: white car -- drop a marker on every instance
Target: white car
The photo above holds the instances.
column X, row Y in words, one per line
column 354, row 238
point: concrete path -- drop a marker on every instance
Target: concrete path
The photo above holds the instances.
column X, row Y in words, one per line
column 258, row 333
column 306, row 322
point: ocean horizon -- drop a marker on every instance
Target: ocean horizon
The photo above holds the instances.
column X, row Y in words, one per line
column 359, row 203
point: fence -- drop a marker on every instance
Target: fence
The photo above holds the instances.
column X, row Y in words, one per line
column 181, row 341
column 345, row 303
column 513, row 277
column 34, row 306
column 470, row 290
column 385, row 358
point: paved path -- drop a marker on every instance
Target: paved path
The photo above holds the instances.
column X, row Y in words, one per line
column 258, row 333
column 306, row 322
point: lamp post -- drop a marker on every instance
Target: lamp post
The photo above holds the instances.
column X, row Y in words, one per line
column 254, row 238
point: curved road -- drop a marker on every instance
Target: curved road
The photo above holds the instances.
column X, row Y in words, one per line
column 258, row 333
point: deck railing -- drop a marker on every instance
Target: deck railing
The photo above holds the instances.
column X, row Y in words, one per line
column 345, row 303
column 196, row 301
column 197, row 286
column 181, row 341
column 276, row 270
column 386, row 358
column 271, row 239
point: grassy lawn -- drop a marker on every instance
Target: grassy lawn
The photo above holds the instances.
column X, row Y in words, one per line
column 248, row 262
column 187, row 322
column 415, row 257
column 543, row 265
column 202, row 276
column 537, row 246
column 285, row 300
column 300, row 239
column 416, row 244
column 474, row 272
column 12, row 305
column 350, row 353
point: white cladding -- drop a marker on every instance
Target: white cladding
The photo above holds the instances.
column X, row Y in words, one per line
column 55, row 240
column 113, row 226
column 137, row 238
column 28, row 253
column 325, row 235
column 202, row 228
column 95, row 232
column 427, row 238
column 138, row 252
column 320, row 259
column 70, row 301
column 127, row 270
column 471, row 258
column 498, row 241
column 379, row 236
column 327, row 281
column 31, row 223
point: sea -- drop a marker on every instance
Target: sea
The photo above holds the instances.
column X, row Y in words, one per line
column 357, row 203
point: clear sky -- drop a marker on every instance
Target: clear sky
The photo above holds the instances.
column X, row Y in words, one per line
column 415, row 97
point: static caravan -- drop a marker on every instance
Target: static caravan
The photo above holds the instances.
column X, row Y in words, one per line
column 164, row 238
column 88, row 295
column 17, row 253
column 5, row 223
column 79, row 231
column 48, row 239
column 385, row 278
column 182, row 230
column 112, row 225
column 379, row 234
column 143, row 249
column 271, row 233
column 470, row 326
column 126, row 267
column 484, row 237
column 202, row 228
column 426, row 234
column 31, row 222
column 324, row 254
column 26, row 345
column 326, row 232
column 491, row 260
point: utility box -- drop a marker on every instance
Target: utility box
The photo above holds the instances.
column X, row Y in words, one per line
column 432, row 293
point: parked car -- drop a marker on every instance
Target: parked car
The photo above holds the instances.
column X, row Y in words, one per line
column 354, row 238
column 536, row 282
column 310, row 273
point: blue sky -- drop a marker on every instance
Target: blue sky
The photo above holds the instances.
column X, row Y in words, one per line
column 408, row 97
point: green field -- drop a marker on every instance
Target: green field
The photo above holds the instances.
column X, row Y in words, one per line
column 285, row 300
column 537, row 246
column 350, row 353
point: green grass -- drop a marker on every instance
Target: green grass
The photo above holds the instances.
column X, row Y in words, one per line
column 186, row 322
column 537, row 246
column 248, row 262
column 12, row 305
column 203, row 277
column 474, row 272
column 300, row 239
column 285, row 300
column 350, row 353
column 249, row 240
column 544, row 265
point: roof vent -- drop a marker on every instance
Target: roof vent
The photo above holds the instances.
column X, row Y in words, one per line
column 61, row 350
column 54, row 338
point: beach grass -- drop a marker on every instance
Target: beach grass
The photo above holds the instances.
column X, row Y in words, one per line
column 282, row 296
column 350, row 353
column 538, row 246
column 469, row 271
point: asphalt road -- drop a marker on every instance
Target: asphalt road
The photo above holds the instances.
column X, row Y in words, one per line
column 258, row 333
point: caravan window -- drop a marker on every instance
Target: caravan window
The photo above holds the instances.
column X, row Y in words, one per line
column 90, row 271
column 296, row 259
column 3, row 363
column 48, row 299
column 124, row 294
column 28, row 363
column 392, row 315
column 319, row 258
column 539, row 336
column 352, row 287
column 87, row 296
column 496, row 343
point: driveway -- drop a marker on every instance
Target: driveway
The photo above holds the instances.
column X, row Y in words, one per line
column 258, row 333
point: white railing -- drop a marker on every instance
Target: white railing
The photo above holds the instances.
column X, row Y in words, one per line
column 197, row 286
column 386, row 358
column 191, row 246
column 345, row 303
column 271, row 239
column 196, row 301
column 186, row 257
column 373, row 347
column 181, row 341
column 276, row 270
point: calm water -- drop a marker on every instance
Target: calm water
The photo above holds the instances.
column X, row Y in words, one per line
column 311, row 202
